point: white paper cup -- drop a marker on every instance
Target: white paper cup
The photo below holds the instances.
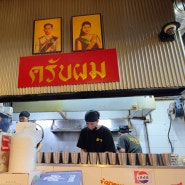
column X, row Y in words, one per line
column 142, row 159
column 39, row 157
column 47, row 157
column 122, row 157
column 132, row 158
column 93, row 157
column 56, row 157
column 166, row 159
column 83, row 157
column 102, row 157
column 74, row 157
column 153, row 159
column 112, row 158
column 65, row 157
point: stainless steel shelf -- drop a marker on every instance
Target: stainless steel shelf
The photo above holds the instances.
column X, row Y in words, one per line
column 65, row 130
column 56, row 131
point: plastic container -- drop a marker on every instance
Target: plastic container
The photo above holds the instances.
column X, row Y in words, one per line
column 23, row 149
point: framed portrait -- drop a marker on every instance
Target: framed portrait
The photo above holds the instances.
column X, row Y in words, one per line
column 87, row 32
column 47, row 36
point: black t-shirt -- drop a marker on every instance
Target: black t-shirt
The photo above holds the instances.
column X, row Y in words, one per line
column 99, row 140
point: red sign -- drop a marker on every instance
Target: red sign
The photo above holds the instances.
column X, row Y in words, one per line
column 5, row 143
column 68, row 68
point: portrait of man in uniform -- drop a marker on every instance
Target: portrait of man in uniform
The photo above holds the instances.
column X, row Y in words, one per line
column 47, row 36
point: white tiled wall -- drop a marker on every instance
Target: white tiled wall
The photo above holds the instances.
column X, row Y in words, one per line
column 156, row 142
column 158, row 131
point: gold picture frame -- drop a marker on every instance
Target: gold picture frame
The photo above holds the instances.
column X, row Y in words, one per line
column 87, row 32
column 47, row 36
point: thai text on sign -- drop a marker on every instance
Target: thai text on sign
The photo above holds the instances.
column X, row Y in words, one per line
column 68, row 68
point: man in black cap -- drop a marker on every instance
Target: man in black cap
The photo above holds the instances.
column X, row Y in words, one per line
column 127, row 143
column 24, row 116
column 94, row 137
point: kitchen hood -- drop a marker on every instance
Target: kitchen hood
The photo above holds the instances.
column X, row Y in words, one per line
column 128, row 107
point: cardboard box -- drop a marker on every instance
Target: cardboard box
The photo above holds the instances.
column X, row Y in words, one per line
column 60, row 178
column 19, row 178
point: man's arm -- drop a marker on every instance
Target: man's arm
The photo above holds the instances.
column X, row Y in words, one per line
column 82, row 141
column 121, row 145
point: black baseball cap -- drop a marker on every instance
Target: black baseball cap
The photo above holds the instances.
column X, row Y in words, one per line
column 124, row 129
column 24, row 114
column 92, row 116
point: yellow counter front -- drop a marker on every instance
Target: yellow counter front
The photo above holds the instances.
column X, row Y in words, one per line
column 122, row 175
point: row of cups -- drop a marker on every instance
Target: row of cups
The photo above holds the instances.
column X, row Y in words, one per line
column 104, row 158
